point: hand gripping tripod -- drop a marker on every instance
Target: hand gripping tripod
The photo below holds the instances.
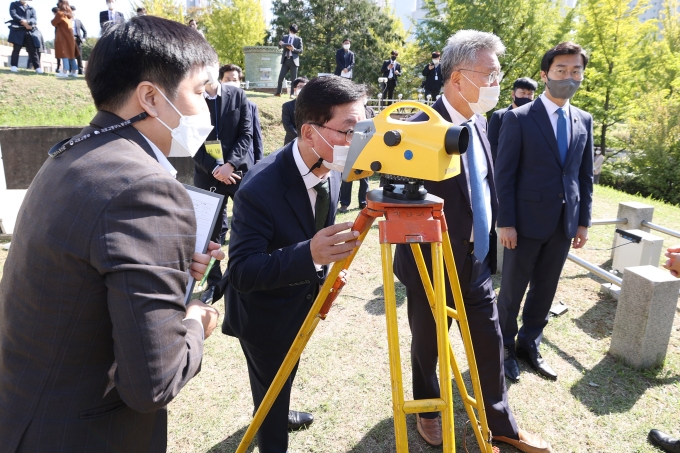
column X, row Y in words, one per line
column 412, row 222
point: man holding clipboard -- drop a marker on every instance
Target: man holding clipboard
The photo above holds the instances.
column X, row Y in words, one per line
column 224, row 159
column 92, row 352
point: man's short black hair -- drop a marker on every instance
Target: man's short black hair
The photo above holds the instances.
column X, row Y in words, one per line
column 317, row 101
column 294, row 28
column 394, row 52
column 346, row 40
column 298, row 81
column 231, row 67
column 141, row 10
column 145, row 48
column 563, row 48
column 525, row 83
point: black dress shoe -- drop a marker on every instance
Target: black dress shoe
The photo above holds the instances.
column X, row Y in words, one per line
column 537, row 363
column 664, row 441
column 510, row 363
column 208, row 294
column 298, row 420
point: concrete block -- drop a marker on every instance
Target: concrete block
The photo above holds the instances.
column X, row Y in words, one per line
column 644, row 316
column 630, row 254
column 635, row 213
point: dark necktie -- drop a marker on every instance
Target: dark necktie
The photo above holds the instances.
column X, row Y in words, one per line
column 480, row 222
column 562, row 142
column 322, row 205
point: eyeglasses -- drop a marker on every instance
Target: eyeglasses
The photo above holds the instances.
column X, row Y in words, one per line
column 493, row 76
column 349, row 133
column 576, row 74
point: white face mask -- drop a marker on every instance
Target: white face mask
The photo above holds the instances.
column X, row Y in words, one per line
column 488, row 98
column 435, row 62
column 339, row 155
column 345, row 46
column 111, row 5
column 192, row 131
column 233, row 84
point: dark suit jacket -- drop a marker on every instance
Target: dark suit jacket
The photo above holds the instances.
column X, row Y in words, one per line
column 271, row 281
column 235, row 133
column 495, row 129
column 386, row 72
column 288, row 119
column 256, row 146
column 297, row 49
column 104, row 19
column 430, row 83
column 19, row 12
column 533, row 183
column 79, row 28
column 343, row 60
column 95, row 347
column 457, row 209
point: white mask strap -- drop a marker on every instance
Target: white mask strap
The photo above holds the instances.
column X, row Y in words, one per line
column 329, row 145
column 171, row 104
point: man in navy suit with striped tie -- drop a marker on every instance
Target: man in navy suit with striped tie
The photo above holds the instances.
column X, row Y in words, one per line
column 544, row 177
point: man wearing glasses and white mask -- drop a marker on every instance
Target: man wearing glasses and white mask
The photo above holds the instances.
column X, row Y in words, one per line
column 471, row 73
column 544, row 176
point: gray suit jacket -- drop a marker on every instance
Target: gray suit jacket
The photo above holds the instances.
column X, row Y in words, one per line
column 93, row 345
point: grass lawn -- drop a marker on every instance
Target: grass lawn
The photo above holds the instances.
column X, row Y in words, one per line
column 596, row 405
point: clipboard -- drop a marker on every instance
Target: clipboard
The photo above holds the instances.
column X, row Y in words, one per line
column 207, row 209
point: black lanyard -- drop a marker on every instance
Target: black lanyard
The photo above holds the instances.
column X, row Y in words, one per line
column 69, row 143
column 217, row 119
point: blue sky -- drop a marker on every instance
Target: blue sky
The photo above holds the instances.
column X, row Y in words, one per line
column 87, row 12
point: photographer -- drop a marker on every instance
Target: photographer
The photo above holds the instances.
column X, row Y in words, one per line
column 433, row 77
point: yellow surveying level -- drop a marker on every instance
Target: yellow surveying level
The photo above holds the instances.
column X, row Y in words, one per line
column 410, row 152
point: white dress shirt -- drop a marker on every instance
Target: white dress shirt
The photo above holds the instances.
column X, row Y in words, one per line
column 310, row 180
column 551, row 108
column 480, row 160
column 161, row 157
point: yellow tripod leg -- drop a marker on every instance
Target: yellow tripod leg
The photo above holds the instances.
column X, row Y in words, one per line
column 400, row 432
column 295, row 351
column 443, row 346
column 479, row 426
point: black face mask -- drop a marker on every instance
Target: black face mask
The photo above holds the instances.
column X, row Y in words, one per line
column 393, row 57
column 521, row 101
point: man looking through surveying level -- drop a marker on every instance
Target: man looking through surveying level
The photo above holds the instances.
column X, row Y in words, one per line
column 471, row 74
column 282, row 241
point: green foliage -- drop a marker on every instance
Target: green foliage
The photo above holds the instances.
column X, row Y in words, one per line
column 655, row 137
column 620, row 50
column 233, row 24
column 167, row 9
column 87, row 47
column 374, row 32
column 528, row 28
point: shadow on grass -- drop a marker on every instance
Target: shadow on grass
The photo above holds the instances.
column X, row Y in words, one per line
column 376, row 306
column 230, row 444
column 611, row 386
column 598, row 320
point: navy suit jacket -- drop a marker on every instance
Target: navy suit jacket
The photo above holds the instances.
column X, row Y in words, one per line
column 104, row 21
column 19, row 12
column 386, row 72
column 495, row 129
column 271, row 281
column 256, row 146
column 343, row 60
column 297, row 49
column 457, row 210
column 235, row 134
column 288, row 119
column 532, row 182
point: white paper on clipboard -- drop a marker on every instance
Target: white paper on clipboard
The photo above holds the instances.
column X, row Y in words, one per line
column 347, row 75
column 207, row 209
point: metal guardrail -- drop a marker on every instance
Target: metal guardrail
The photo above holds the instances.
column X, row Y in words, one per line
column 609, row 222
column 603, row 274
column 654, row 226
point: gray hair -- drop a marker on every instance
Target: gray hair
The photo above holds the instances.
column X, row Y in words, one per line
column 461, row 50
